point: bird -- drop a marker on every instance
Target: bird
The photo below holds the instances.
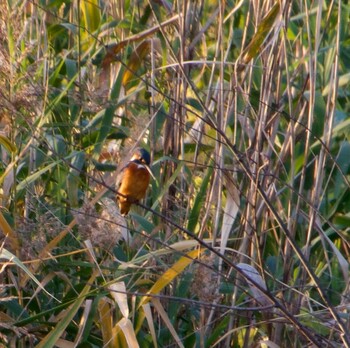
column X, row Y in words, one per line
column 133, row 180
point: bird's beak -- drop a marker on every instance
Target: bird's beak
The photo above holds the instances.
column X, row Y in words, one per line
column 150, row 171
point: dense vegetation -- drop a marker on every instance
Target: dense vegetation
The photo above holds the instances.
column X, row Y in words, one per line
column 243, row 239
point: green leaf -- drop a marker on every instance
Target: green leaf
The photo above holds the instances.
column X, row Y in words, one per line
column 7, row 144
column 73, row 178
column 198, row 202
column 57, row 144
column 147, row 226
column 35, row 176
column 108, row 116
column 5, row 254
column 344, row 165
column 91, row 14
column 264, row 28
column 53, row 336
column 165, row 187
column 173, row 272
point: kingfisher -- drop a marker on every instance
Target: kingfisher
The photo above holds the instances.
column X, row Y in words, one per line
column 133, row 180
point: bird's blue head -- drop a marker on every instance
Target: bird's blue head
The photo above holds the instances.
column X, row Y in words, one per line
column 141, row 155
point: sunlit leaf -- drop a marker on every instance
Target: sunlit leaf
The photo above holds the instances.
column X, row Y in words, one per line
column 259, row 37
column 118, row 292
column 53, row 336
column 150, row 320
column 35, row 176
column 91, row 14
column 106, row 319
column 230, row 211
column 172, row 273
column 251, row 273
column 129, row 333
column 7, row 144
column 5, row 254
column 135, row 60
column 9, row 233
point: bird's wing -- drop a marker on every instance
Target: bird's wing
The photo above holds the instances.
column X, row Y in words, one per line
column 120, row 175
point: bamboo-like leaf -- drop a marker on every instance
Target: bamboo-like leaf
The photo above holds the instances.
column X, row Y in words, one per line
column 259, row 37
column 105, row 128
column 136, row 60
column 149, row 317
column 129, row 333
column 172, row 273
column 35, row 176
column 198, row 202
column 9, row 232
column 84, row 320
column 118, row 292
column 73, row 180
column 178, row 246
column 106, row 319
column 344, row 81
column 91, row 14
column 343, row 128
column 137, row 57
column 46, row 250
column 7, row 144
column 109, row 113
column 158, row 306
column 145, row 224
column 343, row 262
column 59, row 98
column 5, row 254
column 113, row 49
column 170, row 181
column 53, row 336
column 230, row 212
column 251, row 273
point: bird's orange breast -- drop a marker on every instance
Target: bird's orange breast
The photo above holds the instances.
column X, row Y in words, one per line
column 134, row 182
